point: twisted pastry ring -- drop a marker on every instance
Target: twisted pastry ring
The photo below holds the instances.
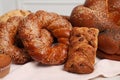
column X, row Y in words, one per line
column 37, row 32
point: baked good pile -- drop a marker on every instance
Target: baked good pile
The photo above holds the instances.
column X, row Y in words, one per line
column 103, row 15
column 51, row 39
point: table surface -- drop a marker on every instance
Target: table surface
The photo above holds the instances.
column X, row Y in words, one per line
column 52, row 72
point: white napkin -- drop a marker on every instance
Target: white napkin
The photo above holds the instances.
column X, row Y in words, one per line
column 35, row 71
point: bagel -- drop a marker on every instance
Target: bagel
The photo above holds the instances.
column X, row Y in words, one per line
column 8, row 31
column 12, row 13
column 38, row 31
column 98, row 14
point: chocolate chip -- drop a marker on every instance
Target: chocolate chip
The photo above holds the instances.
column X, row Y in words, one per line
column 72, row 65
column 78, row 35
column 77, row 49
column 81, row 39
column 81, row 65
column 90, row 42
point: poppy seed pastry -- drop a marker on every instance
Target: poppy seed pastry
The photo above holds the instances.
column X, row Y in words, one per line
column 5, row 62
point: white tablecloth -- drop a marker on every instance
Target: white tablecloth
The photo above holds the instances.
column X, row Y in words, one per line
column 36, row 71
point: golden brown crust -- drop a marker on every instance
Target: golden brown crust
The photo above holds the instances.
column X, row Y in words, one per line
column 4, row 71
column 5, row 62
column 100, row 16
column 114, row 5
column 114, row 10
column 12, row 13
column 115, row 17
column 37, row 33
column 6, row 16
column 82, row 50
column 8, row 31
column 98, row 5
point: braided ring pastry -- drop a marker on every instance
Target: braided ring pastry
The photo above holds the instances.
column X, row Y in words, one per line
column 37, row 33
column 8, row 31
column 97, row 14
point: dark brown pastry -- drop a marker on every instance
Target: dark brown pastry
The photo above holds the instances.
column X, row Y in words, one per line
column 8, row 31
column 82, row 50
column 98, row 14
column 5, row 62
column 38, row 32
column 103, row 55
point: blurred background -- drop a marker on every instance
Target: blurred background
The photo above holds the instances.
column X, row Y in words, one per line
column 63, row 7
